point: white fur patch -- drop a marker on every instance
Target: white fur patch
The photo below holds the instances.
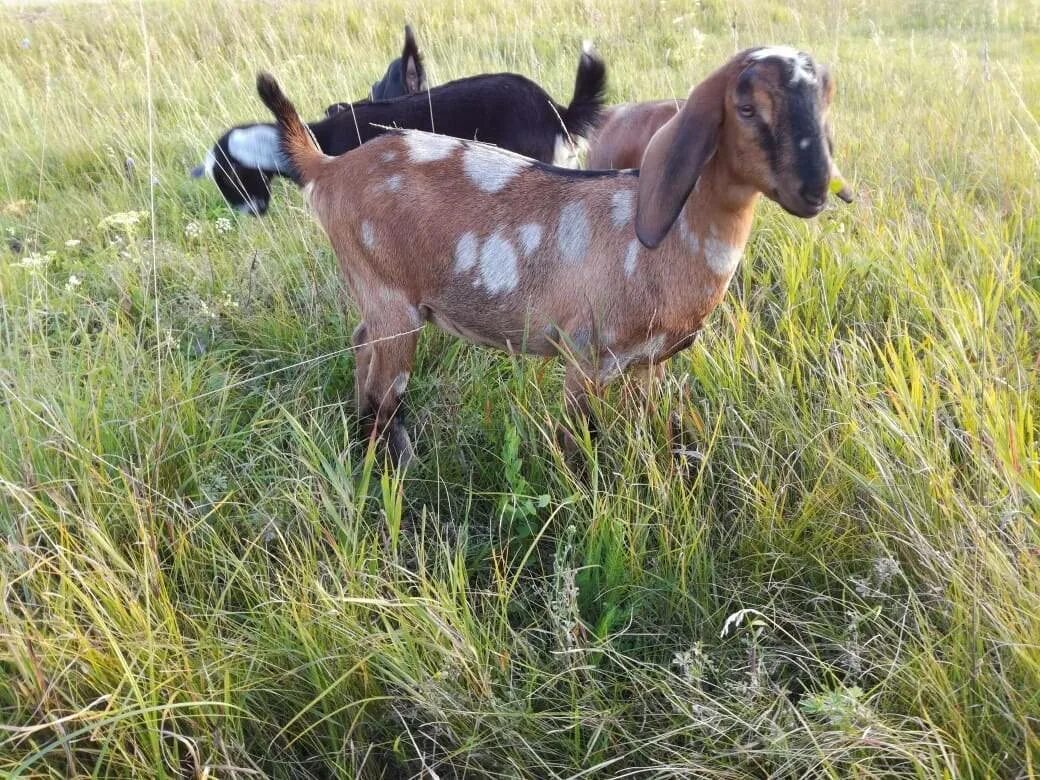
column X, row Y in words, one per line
column 645, row 352
column 498, row 264
column 565, row 153
column 631, row 255
column 208, row 163
column 530, row 238
column 801, row 65
column 256, row 147
column 368, row 235
column 621, row 207
column 572, row 237
column 465, row 253
column 394, row 182
column 490, row 168
column 401, row 382
column 252, row 206
column 691, row 239
column 804, row 143
column 721, row 256
column 427, row 147
column 389, row 156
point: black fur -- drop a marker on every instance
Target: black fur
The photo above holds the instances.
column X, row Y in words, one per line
column 504, row 109
column 405, row 75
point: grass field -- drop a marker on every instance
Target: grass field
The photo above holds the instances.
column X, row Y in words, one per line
column 206, row 574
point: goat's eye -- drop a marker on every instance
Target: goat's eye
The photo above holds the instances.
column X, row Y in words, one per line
column 746, row 111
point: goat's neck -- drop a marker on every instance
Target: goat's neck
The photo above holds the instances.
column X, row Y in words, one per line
column 719, row 208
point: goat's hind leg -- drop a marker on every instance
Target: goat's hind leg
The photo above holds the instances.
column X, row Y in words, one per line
column 391, row 339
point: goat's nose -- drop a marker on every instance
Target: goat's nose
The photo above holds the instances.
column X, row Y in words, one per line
column 813, row 198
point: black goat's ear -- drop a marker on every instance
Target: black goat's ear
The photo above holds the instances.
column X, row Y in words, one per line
column 411, row 64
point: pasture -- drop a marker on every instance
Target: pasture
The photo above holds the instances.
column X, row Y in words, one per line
column 206, row 573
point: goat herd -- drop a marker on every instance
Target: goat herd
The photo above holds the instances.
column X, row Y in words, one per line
column 613, row 268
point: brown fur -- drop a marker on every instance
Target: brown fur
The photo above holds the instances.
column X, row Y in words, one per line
column 398, row 211
column 625, row 131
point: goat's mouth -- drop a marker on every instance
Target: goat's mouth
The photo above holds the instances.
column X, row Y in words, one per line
column 802, row 206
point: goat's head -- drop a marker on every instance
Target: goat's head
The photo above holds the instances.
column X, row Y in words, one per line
column 242, row 164
column 405, row 75
column 764, row 114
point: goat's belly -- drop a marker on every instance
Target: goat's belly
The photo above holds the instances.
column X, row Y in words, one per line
column 490, row 331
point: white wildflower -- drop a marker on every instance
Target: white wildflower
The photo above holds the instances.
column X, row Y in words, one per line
column 33, row 261
column 72, row 243
column 223, row 225
column 885, row 569
column 192, row 230
column 229, row 302
column 125, row 221
column 73, row 282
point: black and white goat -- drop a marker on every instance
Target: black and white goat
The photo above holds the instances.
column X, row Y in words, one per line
column 504, row 109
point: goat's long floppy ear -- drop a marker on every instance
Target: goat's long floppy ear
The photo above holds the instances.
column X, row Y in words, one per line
column 411, row 64
column 674, row 158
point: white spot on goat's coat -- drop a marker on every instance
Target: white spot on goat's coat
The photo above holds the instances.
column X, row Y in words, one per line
column 489, row 168
column 530, row 238
column 256, row 147
column 721, row 256
column 622, row 207
column 465, row 252
column 801, row 64
column 427, row 147
column 394, row 182
column 368, row 235
column 631, row 255
column 498, row 264
column 208, row 163
column 804, row 143
column 389, row 156
column 572, row 237
column 401, row 382
column 565, row 153
column 688, row 236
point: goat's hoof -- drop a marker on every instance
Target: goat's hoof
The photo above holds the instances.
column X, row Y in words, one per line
column 399, row 446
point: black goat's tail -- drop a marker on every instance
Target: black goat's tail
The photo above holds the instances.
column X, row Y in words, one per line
column 590, row 88
column 296, row 141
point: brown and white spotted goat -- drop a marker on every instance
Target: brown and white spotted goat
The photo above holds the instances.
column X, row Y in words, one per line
column 519, row 255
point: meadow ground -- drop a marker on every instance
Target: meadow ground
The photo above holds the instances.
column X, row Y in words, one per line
column 205, row 573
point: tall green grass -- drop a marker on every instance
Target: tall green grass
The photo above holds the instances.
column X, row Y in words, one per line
column 204, row 572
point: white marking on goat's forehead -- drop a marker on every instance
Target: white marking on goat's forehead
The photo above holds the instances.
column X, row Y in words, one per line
column 572, row 236
column 498, row 268
column 622, row 207
column 465, row 252
column 802, row 68
column 530, row 237
column 490, row 168
column 631, row 256
column 256, row 147
column 427, row 147
column 368, row 234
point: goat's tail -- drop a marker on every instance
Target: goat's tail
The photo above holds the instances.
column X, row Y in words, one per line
column 590, row 88
column 297, row 143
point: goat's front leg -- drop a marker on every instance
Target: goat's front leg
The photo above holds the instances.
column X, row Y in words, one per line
column 650, row 378
column 578, row 385
column 389, row 351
